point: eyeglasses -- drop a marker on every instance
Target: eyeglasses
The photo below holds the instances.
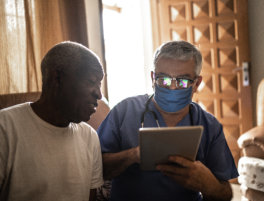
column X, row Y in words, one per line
column 180, row 83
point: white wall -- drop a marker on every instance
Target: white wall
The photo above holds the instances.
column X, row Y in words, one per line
column 256, row 40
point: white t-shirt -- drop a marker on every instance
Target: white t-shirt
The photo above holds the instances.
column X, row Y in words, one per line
column 41, row 162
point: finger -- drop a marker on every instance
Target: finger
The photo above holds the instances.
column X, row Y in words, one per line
column 181, row 161
column 178, row 178
column 172, row 169
column 138, row 154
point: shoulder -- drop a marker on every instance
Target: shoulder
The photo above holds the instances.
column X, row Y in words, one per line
column 85, row 127
column 15, row 108
column 125, row 111
column 131, row 103
column 133, row 100
column 201, row 113
column 14, row 112
column 13, row 120
column 202, row 117
column 87, row 137
column 86, row 131
column 129, row 106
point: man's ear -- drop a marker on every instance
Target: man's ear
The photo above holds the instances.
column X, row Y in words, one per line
column 197, row 83
column 55, row 79
column 52, row 83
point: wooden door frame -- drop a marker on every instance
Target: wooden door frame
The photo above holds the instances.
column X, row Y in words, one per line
column 161, row 33
column 156, row 39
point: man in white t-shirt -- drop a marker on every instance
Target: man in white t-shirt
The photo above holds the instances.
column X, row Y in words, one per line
column 47, row 152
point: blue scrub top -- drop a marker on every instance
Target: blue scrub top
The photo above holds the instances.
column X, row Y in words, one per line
column 119, row 131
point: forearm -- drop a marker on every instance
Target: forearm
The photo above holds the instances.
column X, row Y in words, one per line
column 220, row 192
column 116, row 163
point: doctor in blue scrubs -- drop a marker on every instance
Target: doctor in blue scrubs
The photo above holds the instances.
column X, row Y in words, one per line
column 176, row 76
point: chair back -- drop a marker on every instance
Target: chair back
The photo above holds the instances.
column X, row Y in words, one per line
column 260, row 103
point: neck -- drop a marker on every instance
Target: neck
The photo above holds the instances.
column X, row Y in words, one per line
column 172, row 118
column 47, row 112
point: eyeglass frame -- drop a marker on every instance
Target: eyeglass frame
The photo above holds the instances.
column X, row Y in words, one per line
column 156, row 77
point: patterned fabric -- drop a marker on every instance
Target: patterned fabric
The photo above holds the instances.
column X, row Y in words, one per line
column 251, row 194
column 251, row 172
column 103, row 192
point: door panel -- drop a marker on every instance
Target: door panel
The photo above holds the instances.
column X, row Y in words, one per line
column 219, row 28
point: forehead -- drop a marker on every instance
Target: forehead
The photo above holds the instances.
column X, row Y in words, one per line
column 80, row 75
column 175, row 67
column 88, row 69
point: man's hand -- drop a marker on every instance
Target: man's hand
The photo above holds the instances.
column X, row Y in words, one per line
column 197, row 177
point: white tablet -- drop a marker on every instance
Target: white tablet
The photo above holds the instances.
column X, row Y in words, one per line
column 157, row 144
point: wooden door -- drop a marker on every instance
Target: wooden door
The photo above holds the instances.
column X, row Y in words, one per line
column 219, row 28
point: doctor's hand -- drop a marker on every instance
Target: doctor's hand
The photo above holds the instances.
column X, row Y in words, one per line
column 196, row 176
column 136, row 154
column 116, row 163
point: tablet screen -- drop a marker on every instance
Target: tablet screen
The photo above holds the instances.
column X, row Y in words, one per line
column 157, row 144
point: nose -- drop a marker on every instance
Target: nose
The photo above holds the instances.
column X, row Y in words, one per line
column 173, row 85
column 98, row 93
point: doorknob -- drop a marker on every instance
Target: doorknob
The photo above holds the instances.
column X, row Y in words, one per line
column 245, row 73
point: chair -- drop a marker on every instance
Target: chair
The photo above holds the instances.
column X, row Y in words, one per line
column 7, row 100
column 251, row 165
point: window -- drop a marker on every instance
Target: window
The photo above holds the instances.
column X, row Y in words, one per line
column 13, row 38
column 128, row 48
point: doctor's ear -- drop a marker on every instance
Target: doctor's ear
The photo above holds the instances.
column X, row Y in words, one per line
column 198, row 82
column 152, row 76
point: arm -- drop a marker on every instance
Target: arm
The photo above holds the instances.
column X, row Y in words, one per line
column 116, row 163
column 3, row 156
column 92, row 195
column 223, row 193
column 197, row 177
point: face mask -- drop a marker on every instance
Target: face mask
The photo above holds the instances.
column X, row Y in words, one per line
column 172, row 100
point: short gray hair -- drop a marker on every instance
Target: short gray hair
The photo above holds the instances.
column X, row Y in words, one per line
column 68, row 56
column 181, row 50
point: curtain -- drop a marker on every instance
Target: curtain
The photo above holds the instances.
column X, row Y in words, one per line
column 28, row 29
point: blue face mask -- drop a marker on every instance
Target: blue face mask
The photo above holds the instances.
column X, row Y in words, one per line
column 172, row 100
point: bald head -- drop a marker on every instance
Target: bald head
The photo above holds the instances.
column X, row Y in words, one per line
column 69, row 57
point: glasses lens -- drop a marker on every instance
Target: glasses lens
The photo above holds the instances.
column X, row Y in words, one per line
column 183, row 83
column 166, row 81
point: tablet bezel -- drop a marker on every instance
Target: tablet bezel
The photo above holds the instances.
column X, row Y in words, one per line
column 158, row 143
